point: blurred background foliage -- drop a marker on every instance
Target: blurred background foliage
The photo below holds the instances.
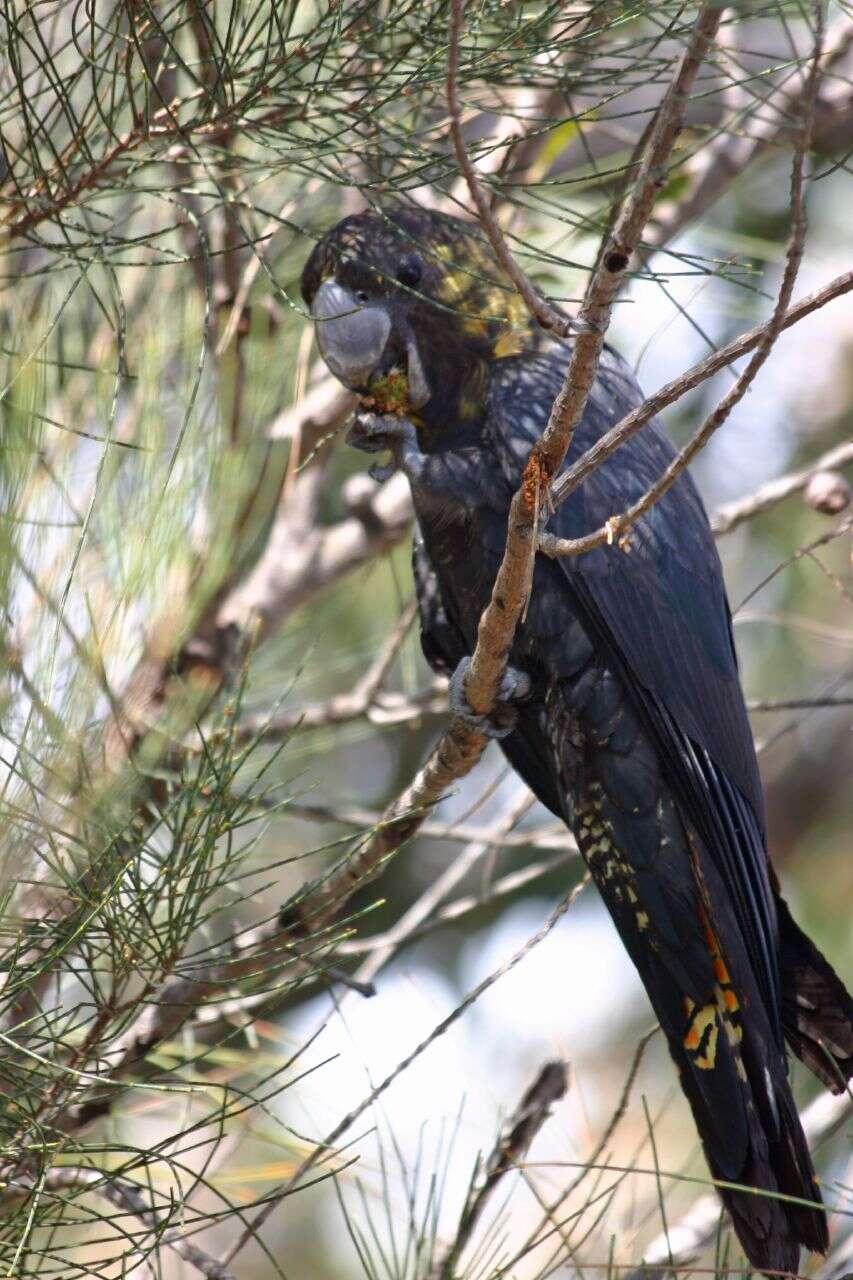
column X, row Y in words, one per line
column 209, row 681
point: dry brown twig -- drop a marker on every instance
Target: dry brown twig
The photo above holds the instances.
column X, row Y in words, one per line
column 547, row 1226
column 516, row 1136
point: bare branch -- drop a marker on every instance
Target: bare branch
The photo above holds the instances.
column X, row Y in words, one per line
column 385, row 709
column 453, row 756
column 728, row 517
column 421, row 910
column 500, row 888
column 609, row 275
column 554, row 837
column 363, row 701
column 796, row 704
column 547, row 1227
column 822, row 540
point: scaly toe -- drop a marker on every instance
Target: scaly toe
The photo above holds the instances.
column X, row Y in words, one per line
column 502, row 719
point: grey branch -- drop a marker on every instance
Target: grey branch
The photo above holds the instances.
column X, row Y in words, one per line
column 555, row 838
column 384, row 709
column 303, row 560
column 731, row 515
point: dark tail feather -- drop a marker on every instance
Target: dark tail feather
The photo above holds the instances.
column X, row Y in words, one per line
column 817, row 1011
column 766, row 1150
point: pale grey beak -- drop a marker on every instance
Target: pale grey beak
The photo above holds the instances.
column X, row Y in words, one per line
column 351, row 335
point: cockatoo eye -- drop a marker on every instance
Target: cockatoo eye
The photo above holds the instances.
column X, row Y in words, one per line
column 409, row 270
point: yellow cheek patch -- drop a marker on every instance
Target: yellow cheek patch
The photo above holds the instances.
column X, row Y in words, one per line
column 450, row 290
column 508, row 344
column 473, row 327
column 515, row 309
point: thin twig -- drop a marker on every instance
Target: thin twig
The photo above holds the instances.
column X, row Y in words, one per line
column 385, row 708
column 796, row 704
column 717, row 166
column 555, row 837
column 617, row 527
column 844, row 526
column 421, row 910
column 546, row 1227
column 453, row 911
column 547, row 316
column 610, row 273
column 574, row 475
column 127, row 1197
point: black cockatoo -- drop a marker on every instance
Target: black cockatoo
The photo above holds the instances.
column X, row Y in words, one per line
column 621, row 708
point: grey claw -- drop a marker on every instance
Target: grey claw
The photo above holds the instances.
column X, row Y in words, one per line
column 514, row 686
column 501, row 721
column 380, row 472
